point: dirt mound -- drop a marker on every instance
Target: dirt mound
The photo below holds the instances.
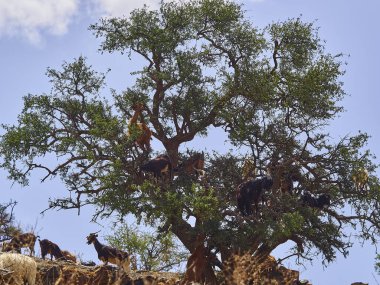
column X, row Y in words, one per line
column 68, row 273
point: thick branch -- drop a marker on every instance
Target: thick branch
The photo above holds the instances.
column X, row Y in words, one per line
column 275, row 51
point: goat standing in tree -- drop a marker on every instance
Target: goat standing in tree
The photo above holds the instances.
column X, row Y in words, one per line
column 360, row 178
column 193, row 165
column 248, row 169
column 144, row 133
column 158, row 166
column 110, row 254
column 252, row 191
column 320, row 202
column 284, row 174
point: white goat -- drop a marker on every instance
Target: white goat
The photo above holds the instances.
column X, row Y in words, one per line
column 19, row 268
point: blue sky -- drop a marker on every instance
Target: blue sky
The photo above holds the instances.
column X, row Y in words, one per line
column 36, row 34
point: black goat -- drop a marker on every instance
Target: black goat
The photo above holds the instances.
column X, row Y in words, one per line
column 252, row 191
column 110, row 254
column 158, row 166
column 315, row 202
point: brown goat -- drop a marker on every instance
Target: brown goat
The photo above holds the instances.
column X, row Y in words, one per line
column 69, row 256
column 248, row 169
column 50, row 247
column 144, row 133
column 360, row 177
column 110, row 254
column 193, row 165
column 284, row 174
column 19, row 241
column 196, row 266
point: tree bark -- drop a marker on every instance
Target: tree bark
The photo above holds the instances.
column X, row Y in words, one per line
column 172, row 147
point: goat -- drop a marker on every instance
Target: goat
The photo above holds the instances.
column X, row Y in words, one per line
column 50, row 247
column 69, row 256
column 144, row 133
column 158, row 166
column 196, row 266
column 320, row 202
column 252, row 191
column 286, row 182
column 193, row 165
column 8, row 246
column 110, row 254
column 248, row 169
column 284, row 174
column 21, row 268
column 360, row 178
column 19, row 241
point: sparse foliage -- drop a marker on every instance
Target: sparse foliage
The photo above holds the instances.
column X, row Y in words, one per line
column 8, row 228
column 153, row 252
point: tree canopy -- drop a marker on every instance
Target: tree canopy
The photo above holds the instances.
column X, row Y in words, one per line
column 272, row 90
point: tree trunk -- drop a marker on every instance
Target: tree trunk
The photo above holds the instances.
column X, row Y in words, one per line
column 171, row 147
column 184, row 231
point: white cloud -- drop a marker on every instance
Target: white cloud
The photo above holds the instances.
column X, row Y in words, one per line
column 29, row 18
column 117, row 8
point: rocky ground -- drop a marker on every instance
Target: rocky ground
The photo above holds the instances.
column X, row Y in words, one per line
column 66, row 273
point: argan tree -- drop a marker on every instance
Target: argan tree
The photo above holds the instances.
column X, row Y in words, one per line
column 204, row 65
